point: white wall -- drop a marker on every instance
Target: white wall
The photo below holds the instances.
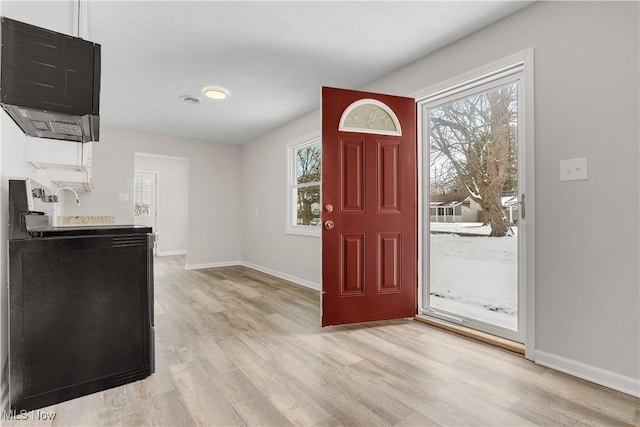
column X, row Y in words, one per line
column 173, row 201
column 53, row 15
column 586, row 105
column 214, row 186
column 265, row 245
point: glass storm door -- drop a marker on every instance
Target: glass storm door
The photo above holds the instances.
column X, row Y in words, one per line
column 471, row 208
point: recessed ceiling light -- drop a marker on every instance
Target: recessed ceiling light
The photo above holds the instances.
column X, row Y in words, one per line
column 190, row 99
column 215, row 92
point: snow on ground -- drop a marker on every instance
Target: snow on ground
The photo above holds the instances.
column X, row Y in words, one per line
column 474, row 276
column 463, row 228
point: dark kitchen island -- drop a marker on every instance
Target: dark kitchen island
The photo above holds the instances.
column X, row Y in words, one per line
column 81, row 312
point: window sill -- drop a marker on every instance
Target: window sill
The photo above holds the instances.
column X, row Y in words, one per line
column 299, row 231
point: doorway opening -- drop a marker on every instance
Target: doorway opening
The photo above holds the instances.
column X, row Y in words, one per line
column 161, row 200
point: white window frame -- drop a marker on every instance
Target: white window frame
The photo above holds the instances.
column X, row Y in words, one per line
column 522, row 63
column 292, row 210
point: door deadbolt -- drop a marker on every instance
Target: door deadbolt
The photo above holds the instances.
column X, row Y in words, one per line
column 329, row 225
column 328, row 207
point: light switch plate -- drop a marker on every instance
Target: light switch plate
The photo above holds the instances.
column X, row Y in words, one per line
column 573, row 169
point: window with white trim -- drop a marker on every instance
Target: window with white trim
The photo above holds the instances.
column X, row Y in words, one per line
column 304, row 188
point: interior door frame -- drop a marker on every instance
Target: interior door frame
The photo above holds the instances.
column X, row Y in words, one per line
column 526, row 268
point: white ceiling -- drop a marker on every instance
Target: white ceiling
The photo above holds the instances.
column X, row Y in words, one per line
column 273, row 57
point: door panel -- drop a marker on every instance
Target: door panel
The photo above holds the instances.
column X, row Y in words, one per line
column 369, row 241
column 351, row 177
column 389, row 265
column 389, row 182
column 352, row 264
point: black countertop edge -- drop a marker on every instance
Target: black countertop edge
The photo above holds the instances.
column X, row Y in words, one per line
column 89, row 230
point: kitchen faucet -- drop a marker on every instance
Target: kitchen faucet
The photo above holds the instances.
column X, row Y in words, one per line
column 54, row 220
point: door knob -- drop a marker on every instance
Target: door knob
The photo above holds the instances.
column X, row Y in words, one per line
column 329, row 225
column 328, row 207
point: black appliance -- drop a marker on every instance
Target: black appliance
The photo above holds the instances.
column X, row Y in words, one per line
column 50, row 82
column 80, row 304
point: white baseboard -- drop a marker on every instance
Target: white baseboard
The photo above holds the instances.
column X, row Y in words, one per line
column 171, row 253
column 285, row 276
column 211, row 265
column 596, row 375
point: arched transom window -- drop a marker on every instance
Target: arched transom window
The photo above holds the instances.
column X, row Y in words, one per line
column 370, row 116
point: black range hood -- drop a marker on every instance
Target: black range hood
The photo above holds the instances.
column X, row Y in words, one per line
column 50, row 82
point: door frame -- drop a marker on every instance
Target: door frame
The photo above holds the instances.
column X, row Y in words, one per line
column 526, row 248
column 141, row 156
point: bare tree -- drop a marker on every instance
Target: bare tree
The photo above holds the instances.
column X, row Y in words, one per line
column 308, row 171
column 473, row 140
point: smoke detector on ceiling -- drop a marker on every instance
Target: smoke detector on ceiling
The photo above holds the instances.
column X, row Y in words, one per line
column 190, row 99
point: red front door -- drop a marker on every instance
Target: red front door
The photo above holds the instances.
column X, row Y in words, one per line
column 369, row 207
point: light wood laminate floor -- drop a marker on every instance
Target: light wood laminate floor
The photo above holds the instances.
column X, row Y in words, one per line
column 236, row 347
